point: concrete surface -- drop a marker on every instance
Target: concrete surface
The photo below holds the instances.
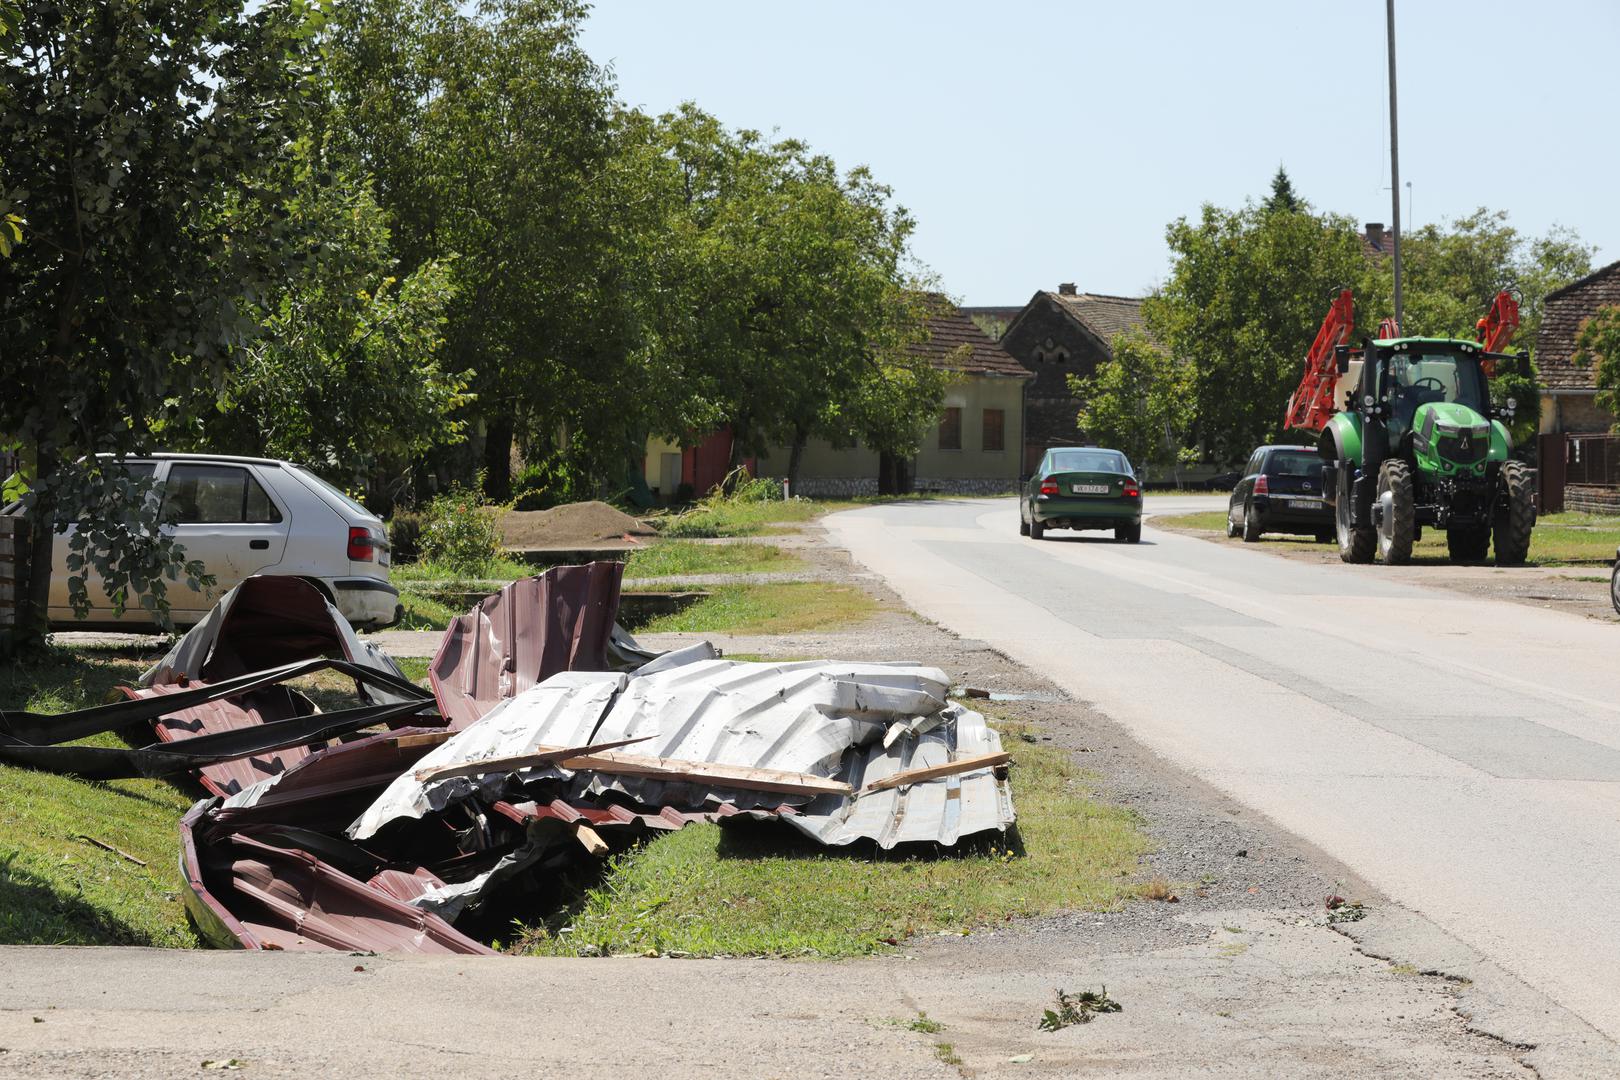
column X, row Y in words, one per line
column 1462, row 755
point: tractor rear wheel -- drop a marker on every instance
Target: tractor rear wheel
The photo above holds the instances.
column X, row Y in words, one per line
column 1397, row 525
column 1518, row 518
column 1468, row 543
column 1355, row 542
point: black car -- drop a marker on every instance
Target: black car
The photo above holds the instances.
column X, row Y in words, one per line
column 1280, row 492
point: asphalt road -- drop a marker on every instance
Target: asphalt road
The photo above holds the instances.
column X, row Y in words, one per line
column 1461, row 754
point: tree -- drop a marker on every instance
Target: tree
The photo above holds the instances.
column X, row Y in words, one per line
column 1598, row 342
column 490, row 137
column 346, row 374
column 1139, row 401
column 142, row 143
column 1282, row 195
column 1245, row 297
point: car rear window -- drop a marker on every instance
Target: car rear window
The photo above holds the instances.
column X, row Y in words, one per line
column 1294, row 463
column 316, row 482
column 1090, row 461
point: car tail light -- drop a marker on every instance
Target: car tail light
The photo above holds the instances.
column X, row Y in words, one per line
column 1132, row 491
column 1049, row 487
column 1260, row 485
column 362, row 545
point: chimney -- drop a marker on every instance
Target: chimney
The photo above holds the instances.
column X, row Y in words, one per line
column 1375, row 234
column 1066, row 289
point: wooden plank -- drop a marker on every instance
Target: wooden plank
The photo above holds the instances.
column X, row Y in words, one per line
column 542, row 755
column 426, row 738
column 707, row 772
column 934, row 772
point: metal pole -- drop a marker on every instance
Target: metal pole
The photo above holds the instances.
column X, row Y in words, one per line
column 1394, row 163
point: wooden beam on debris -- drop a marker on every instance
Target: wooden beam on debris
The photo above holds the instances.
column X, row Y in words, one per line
column 541, row 755
column 934, row 772
column 708, row 772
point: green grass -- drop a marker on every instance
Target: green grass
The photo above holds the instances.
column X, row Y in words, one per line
column 760, row 889
column 787, row 608
column 423, row 612
column 437, row 573
column 738, row 518
column 1559, row 540
column 56, row 888
column 670, row 558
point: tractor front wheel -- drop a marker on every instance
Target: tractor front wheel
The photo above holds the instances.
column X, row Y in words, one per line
column 1468, row 543
column 1517, row 517
column 1397, row 524
column 1355, row 542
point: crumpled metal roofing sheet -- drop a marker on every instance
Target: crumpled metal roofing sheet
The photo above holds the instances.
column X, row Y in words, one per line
column 826, row 718
column 522, row 635
column 267, row 621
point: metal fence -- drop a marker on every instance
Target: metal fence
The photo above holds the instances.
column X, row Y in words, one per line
column 1592, row 459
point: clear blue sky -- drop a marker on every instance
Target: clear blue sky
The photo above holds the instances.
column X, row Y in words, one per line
column 1039, row 142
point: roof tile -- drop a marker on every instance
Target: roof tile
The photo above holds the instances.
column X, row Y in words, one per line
column 949, row 328
column 1562, row 314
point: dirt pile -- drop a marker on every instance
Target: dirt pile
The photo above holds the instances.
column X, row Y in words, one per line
column 574, row 525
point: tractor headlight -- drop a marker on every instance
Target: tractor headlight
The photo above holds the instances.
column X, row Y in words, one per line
column 1512, row 403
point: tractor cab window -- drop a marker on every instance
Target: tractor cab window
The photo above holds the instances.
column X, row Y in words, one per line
column 1420, row 378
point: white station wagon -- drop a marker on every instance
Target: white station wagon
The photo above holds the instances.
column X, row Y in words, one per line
column 243, row 516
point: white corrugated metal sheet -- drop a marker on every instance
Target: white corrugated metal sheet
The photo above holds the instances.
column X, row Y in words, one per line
column 826, row 718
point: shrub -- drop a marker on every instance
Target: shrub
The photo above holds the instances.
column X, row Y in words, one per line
column 461, row 532
column 405, row 537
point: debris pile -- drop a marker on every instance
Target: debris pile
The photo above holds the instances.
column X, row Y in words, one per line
column 551, row 738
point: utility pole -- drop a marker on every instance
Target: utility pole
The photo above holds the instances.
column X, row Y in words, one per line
column 1394, row 162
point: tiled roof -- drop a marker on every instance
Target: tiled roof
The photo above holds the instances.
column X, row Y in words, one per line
column 1561, row 316
column 1104, row 316
column 949, row 328
column 1001, row 314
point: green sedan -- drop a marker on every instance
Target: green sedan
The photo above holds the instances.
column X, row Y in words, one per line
column 1082, row 487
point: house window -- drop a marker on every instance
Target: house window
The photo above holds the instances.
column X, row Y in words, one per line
column 950, row 429
column 995, row 427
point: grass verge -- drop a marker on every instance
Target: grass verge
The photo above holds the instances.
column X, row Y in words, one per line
column 57, row 888
column 1559, row 539
column 497, row 569
column 759, row 889
column 786, row 608
column 671, row 558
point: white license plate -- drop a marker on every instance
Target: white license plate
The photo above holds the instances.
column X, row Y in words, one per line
column 1303, row 504
column 1091, row 489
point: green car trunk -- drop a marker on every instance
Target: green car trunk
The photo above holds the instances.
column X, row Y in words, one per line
column 1086, row 500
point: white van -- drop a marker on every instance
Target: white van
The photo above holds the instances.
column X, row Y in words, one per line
column 243, row 516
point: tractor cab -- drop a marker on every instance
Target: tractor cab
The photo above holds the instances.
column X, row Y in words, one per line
column 1432, row 396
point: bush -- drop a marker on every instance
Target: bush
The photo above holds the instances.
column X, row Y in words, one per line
column 405, row 537
column 461, row 532
column 740, row 487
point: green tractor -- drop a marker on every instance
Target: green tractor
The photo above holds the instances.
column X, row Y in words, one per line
column 1418, row 443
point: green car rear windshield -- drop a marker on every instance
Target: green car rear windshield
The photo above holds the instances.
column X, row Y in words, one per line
column 1088, row 461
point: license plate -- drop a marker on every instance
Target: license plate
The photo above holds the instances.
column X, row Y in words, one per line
column 1091, row 489
column 1303, row 504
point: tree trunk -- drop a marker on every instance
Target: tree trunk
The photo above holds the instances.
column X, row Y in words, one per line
column 498, row 458
column 32, row 624
column 801, row 436
column 739, row 429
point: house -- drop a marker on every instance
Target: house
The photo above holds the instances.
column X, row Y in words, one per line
column 1054, row 336
column 972, row 449
column 1567, row 404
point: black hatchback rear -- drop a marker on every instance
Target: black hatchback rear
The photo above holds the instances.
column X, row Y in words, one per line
column 1281, row 491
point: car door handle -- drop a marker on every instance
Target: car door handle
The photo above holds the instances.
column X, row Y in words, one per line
column 259, row 545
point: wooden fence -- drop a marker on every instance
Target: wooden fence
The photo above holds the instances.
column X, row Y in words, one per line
column 13, row 575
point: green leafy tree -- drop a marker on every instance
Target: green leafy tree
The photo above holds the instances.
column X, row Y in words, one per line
column 142, row 143
column 1244, row 299
column 489, row 135
column 1283, row 196
column 1139, row 401
column 1598, row 343
column 346, row 374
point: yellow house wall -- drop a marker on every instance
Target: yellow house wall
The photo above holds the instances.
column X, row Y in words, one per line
column 972, row 394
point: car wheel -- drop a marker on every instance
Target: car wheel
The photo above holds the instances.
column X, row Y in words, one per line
column 1251, row 525
column 1036, row 530
column 1128, row 534
column 1231, row 526
column 1023, row 526
column 1614, row 586
column 1325, row 536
